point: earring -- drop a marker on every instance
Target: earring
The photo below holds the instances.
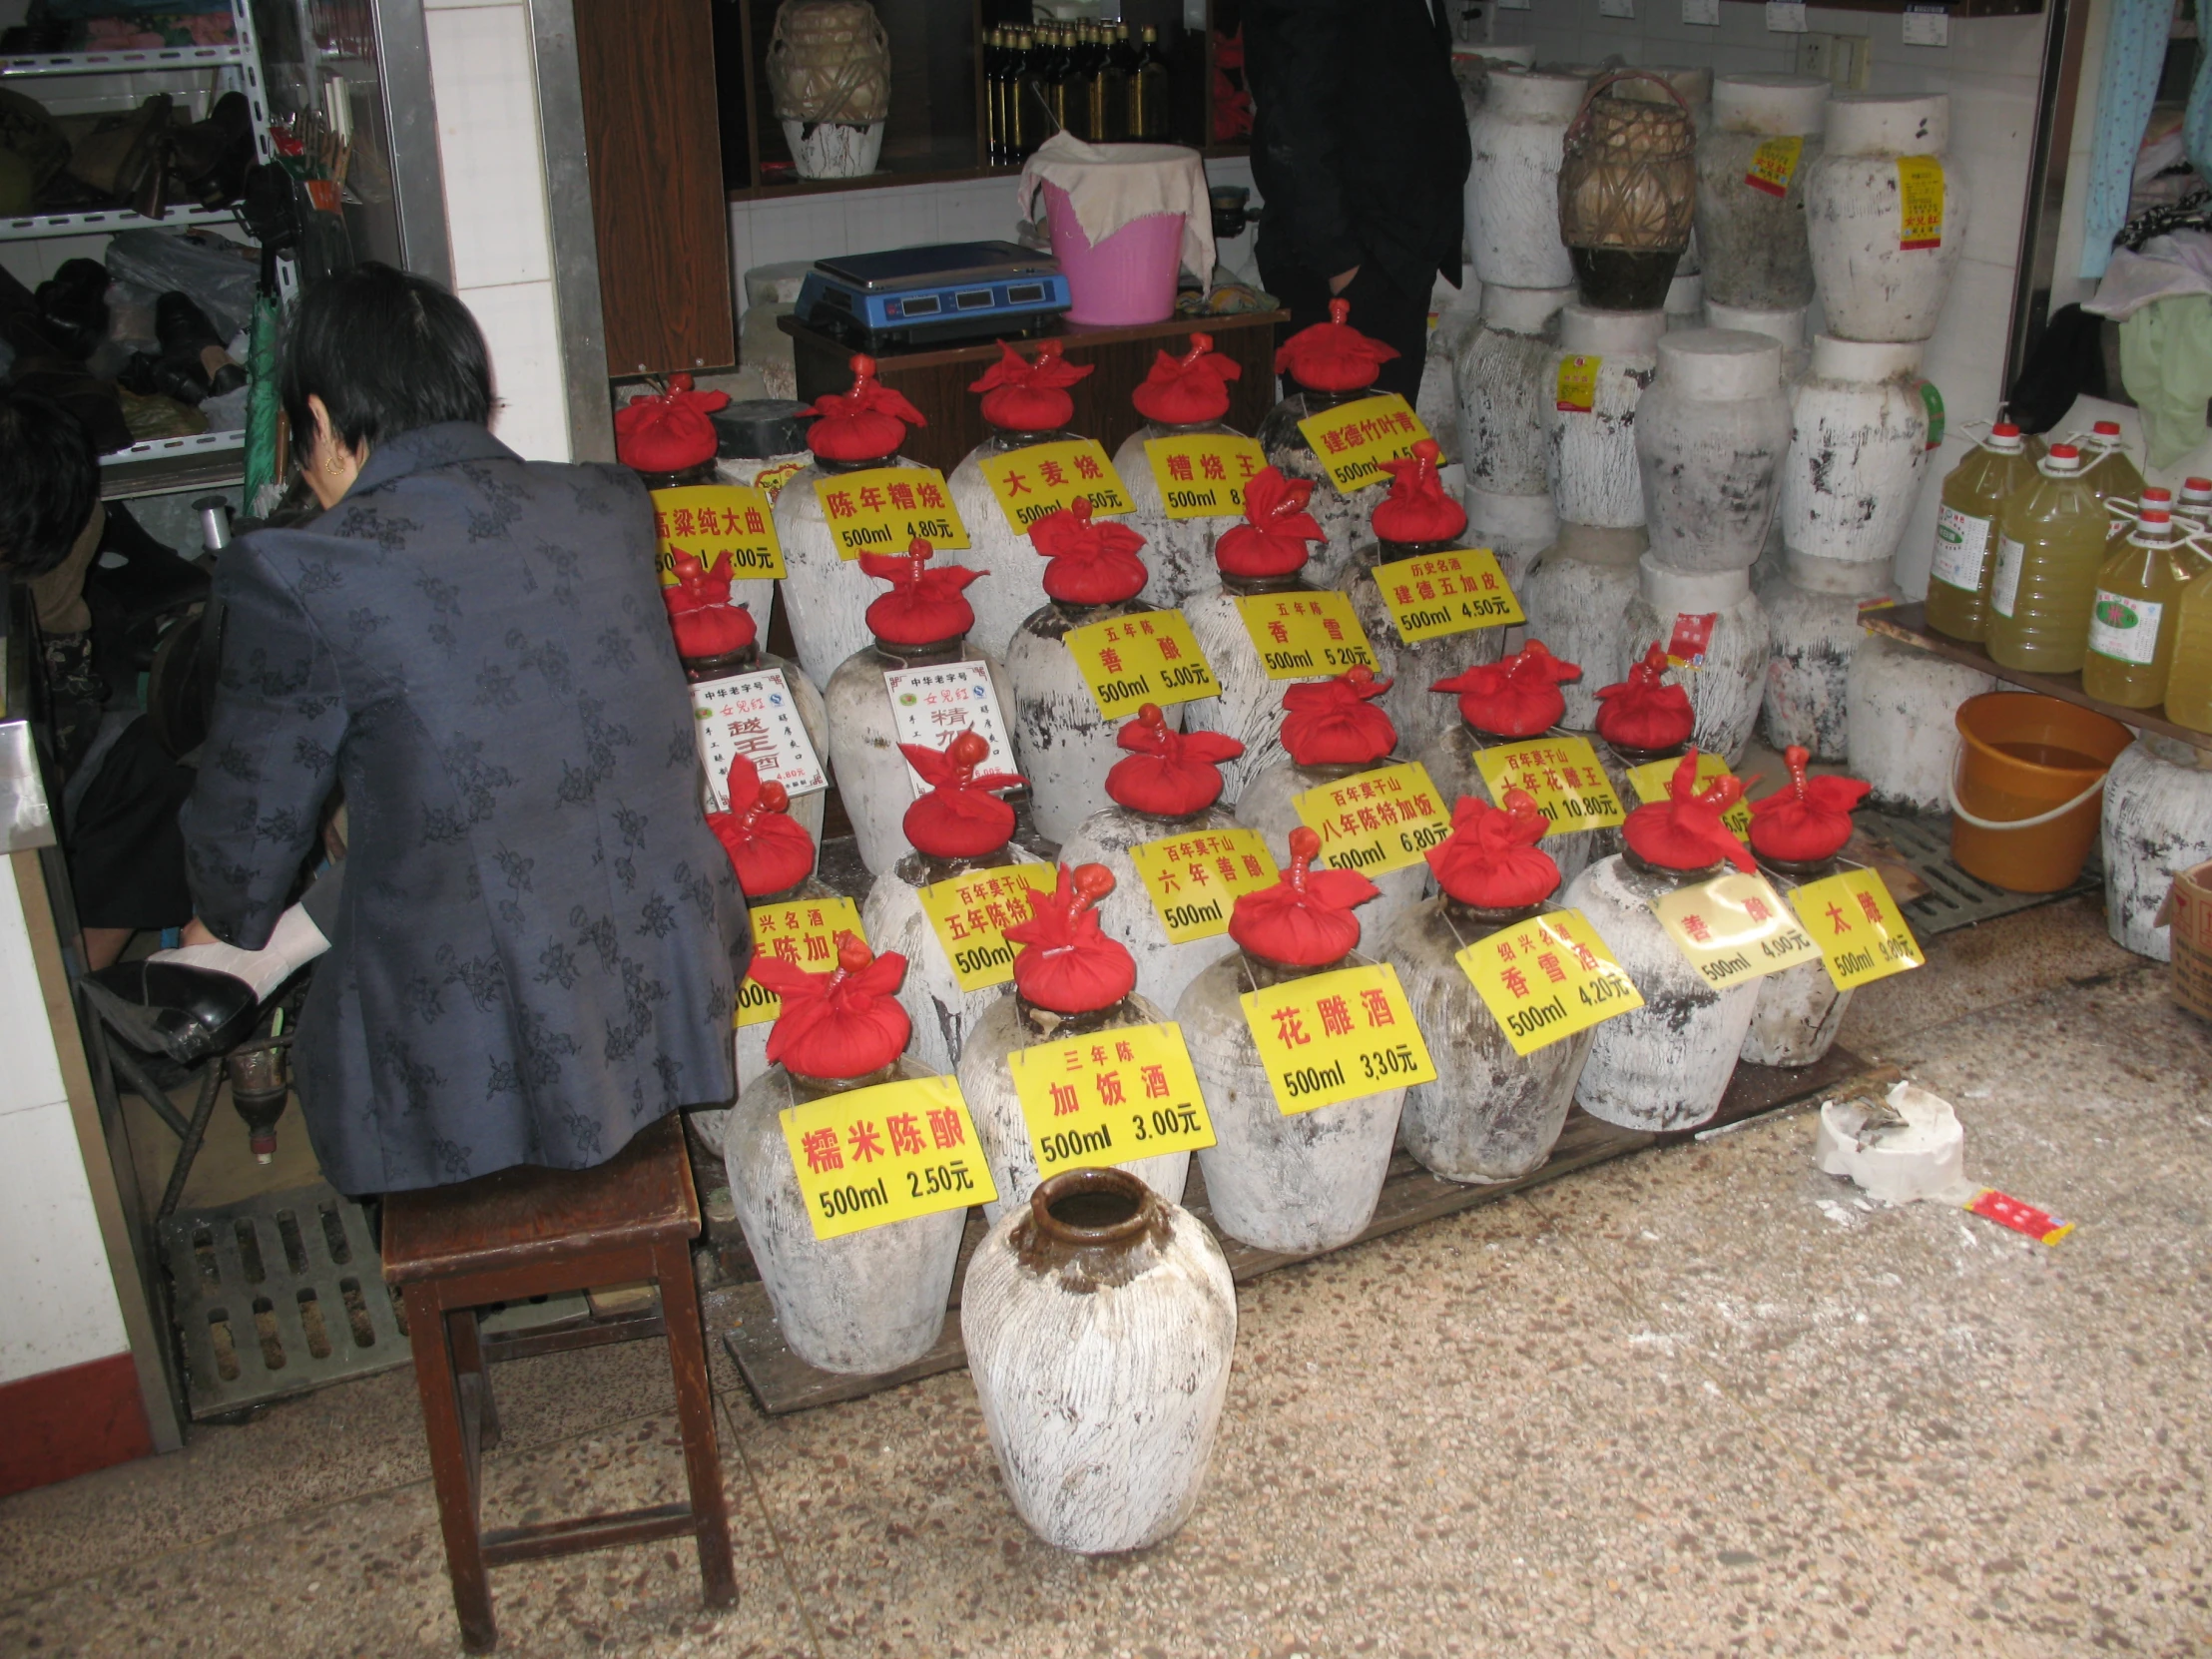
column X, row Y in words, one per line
column 334, row 463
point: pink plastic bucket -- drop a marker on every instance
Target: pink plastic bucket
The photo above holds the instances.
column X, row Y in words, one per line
column 1128, row 279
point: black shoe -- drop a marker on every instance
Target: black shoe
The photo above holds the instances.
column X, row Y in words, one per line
column 74, row 305
column 170, row 1008
column 190, row 343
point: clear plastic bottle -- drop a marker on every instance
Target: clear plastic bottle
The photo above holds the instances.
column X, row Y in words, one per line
column 2051, row 544
column 2189, row 670
column 1965, row 531
column 2131, row 628
column 2193, row 512
column 2111, row 471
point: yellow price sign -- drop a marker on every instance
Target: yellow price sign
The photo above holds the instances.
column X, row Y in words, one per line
column 1857, row 926
column 1650, row 780
column 1110, row 1097
column 890, row 1153
column 1376, row 822
column 1774, row 164
column 1920, row 202
column 1195, row 880
column 1352, row 440
column 802, row 933
column 884, row 508
column 1455, row 592
column 1560, row 773
column 1331, row 1037
column 1549, row 978
column 1044, row 477
column 971, row 914
column 1202, row 475
column 1305, row 636
column 709, row 520
column 1151, row 657
column 1575, row 390
column 1733, row 928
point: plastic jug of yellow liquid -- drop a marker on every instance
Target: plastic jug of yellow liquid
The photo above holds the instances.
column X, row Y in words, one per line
column 2190, row 673
column 2111, row 471
column 2131, row 623
column 1965, row 531
column 2050, row 546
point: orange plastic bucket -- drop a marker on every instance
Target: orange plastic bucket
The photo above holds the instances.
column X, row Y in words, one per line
column 2027, row 794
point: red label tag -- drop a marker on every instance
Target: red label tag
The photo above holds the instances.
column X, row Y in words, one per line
column 2040, row 1225
column 1692, row 634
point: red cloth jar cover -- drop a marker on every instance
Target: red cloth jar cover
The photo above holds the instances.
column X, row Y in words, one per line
column 959, row 818
column 844, row 1023
column 1028, row 394
column 1185, row 390
column 1490, row 859
column 1305, row 920
column 769, row 853
column 1333, row 355
column 1418, row 509
column 699, row 614
column 1332, row 722
column 1094, row 560
column 1066, row 963
column 1272, row 539
column 1168, row 774
column 668, row 431
column 1811, row 819
column 1643, row 711
column 866, row 423
column 1515, row 696
column 1685, row 832
column 924, row 606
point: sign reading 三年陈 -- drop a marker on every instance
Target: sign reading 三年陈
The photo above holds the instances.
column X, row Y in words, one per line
column 754, row 715
column 1194, row 881
column 1376, row 822
column 1434, row 594
column 1107, row 1098
column 1330, row 1037
column 802, row 933
column 1855, row 923
column 1042, row 478
column 1203, row 475
column 1548, row 978
column 884, row 508
column 709, row 520
column 1352, row 440
column 890, row 1153
column 1134, row 659
column 1733, row 928
column 1650, row 780
column 1305, row 636
column 1560, row 773
column 930, row 705
column 971, row 914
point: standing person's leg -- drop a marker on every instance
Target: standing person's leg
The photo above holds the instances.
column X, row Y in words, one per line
column 1382, row 310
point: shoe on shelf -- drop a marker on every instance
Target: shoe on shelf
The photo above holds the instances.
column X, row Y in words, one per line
column 190, row 343
column 187, row 1014
column 73, row 303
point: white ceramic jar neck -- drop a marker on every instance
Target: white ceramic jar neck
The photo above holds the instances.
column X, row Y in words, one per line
column 1878, row 124
column 1864, row 363
column 1720, row 364
column 1590, row 333
column 1771, row 106
column 1688, row 591
column 1521, row 311
column 1844, row 578
column 1535, row 98
column 1786, row 328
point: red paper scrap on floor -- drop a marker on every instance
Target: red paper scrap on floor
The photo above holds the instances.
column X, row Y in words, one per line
column 2040, row 1225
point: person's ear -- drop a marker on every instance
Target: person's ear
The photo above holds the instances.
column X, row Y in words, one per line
column 324, row 435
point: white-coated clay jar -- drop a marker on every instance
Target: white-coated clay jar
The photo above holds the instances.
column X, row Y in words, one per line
column 1878, row 276
column 1752, row 237
column 1513, row 191
column 1592, row 386
column 1858, row 449
column 1711, row 434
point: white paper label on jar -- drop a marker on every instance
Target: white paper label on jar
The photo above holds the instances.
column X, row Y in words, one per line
column 932, row 706
column 2006, row 590
column 2124, row 627
column 1962, row 546
column 754, row 715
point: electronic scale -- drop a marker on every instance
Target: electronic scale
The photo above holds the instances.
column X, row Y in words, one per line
column 918, row 295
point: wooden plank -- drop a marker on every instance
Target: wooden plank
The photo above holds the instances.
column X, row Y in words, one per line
column 784, row 1383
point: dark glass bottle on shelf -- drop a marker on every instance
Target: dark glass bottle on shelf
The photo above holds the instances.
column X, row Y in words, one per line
column 994, row 115
column 1094, row 83
column 1017, row 111
column 1148, row 91
column 1059, row 68
column 1115, row 56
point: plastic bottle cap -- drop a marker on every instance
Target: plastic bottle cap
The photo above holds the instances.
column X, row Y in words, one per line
column 2004, row 438
column 2154, row 496
column 2106, row 428
column 2196, row 488
column 2063, row 459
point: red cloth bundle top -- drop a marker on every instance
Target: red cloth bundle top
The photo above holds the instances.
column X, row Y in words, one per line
column 924, row 606
column 844, row 1023
column 1305, row 920
column 1643, row 711
column 1331, row 721
column 1515, row 696
column 769, row 853
column 699, row 614
column 959, row 817
column 668, row 431
column 868, row 423
column 1811, row 819
column 1068, row 964
column 1029, row 394
column 1333, row 355
column 1094, row 560
column 1490, row 859
column 1417, row 507
column 1186, row 390
column 1272, row 539
column 1168, row 774
column 1685, row 832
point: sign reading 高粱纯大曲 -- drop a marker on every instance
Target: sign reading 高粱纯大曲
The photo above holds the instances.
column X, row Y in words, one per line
column 710, row 520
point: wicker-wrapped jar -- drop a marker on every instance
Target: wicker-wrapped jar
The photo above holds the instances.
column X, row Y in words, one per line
column 1627, row 194
column 829, row 74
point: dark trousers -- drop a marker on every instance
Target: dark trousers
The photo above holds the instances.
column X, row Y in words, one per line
column 1381, row 309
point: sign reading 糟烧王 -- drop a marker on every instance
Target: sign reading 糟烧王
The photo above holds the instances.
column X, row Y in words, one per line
column 1376, row 822
column 1109, row 1097
column 1855, row 923
column 1134, row 659
column 1434, row 594
column 1733, row 928
column 1032, row 482
column 1203, row 475
column 1548, row 978
column 971, row 912
column 884, row 508
column 802, row 933
column 1352, row 440
column 1305, row 636
column 1560, row 773
column 1330, row 1037
column 890, row 1153
column 709, row 520
column 1194, row 881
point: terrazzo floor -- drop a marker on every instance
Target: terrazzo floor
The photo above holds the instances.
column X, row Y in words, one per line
column 1693, row 1402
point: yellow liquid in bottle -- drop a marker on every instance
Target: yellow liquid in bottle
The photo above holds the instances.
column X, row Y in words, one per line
column 2189, row 678
column 2051, row 545
column 2114, row 478
column 2133, row 618
column 1966, row 537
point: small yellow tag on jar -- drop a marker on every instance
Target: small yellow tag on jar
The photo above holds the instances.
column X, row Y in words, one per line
column 1455, row 592
column 1352, row 440
column 1130, row 660
column 1203, row 475
column 1576, row 390
column 1331, row 1037
column 890, row 1153
column 1733, row 928
column 1044, row 477
column 709, row 520
column 884, row 508
column 1109, row 1097
column 1774, row 164
column 802, row 933
column 1857, row 926
column 1548, row 978
column 1920, row 202
column 1560, row 773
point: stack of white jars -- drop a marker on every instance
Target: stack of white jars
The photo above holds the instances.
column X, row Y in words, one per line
column 1512, row 194
column 1503, row 403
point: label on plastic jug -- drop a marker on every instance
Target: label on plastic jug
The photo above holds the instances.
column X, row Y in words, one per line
column 2125, row 628
column 890, row 1153
column 1774, row 164
column 1961, row 548
column 1577, row 391
column 2006, row 590
column 1920, row 202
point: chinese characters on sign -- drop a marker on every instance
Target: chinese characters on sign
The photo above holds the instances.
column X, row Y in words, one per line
column 1194, row 881
column 971, row 914
column 754, row 715
column 1733, row 928
column 1854, row 921
column 802, row 933
column 1774, row 164
column 1577, row 391
column 1202, row 475
column 1331, row 1037
column 1447, row 593
column 1920, row 202
column 931, row 704
column 1561, row 774
column 1548, row 978
column 709, row 520
column 1134, row 659
column 1376, row 822
column 1649, row 781
column 1352, row 440
column 884, row 508
column 1305, row 636
column 1110, row 1097
column 890, row 1153
column 1044, row 477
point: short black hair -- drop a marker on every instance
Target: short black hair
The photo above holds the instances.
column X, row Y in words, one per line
column 386, row 351
column 49, row 482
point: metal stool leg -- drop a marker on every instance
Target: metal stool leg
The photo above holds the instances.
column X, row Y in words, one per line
column 695, row 1409
column 452, row 1467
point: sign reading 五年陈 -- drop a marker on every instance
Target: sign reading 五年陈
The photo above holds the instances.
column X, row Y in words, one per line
column 1376, row 822
column 1195, row 880
column 1110, row 1097
column 1305, row 636
column 1733, row 928
column 709, row 520
column 1203, row 475
column 1560, row 773
column 802, row 933
column 1434, row 594
column 1352, row 440
column 1548, row 978
column 889, row 1153
column 1331, row 1037
column 1134, row 659
column 1855, row 920
column 1041, row 479
column 971, row 912
column 884, row 508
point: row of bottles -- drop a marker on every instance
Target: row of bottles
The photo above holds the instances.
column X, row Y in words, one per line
column 1092, row 79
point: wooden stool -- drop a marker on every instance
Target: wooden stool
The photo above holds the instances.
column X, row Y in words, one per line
column 531, row 1232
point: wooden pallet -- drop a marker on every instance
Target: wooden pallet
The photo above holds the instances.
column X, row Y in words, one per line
column 782, row 1382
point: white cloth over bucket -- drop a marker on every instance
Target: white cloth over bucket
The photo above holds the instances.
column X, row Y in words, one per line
column 1112, row 185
